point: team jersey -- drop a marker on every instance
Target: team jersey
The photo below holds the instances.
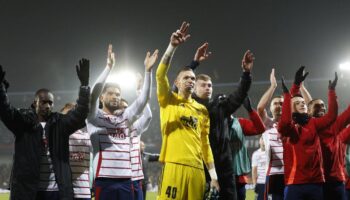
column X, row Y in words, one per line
column 110, row 133
column 259, row 161
column 333, row 148
column 273, row 149
column 47, row 174
column 301, row 143
column 139, row 127
column 184, row 126
column 79, row 150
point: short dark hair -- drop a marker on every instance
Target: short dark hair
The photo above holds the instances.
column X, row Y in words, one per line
column 108, row 85
column 124, row 100
column 183, row 69
column 36, row 95
column 203, row 77
column 312, row 101
column 41, row 90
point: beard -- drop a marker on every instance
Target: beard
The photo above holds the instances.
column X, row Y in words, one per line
column 112, row 106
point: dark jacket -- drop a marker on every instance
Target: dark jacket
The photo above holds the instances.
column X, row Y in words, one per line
column 220, row 109
column 25, row 126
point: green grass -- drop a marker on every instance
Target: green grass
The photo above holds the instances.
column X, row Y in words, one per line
column 150, row 195
column 4, row 196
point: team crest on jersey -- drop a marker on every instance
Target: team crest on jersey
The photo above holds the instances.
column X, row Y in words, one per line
column 191, row 121
column 117, row 133
column 78, row 156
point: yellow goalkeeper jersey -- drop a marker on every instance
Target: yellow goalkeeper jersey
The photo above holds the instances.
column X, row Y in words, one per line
column 184, row 126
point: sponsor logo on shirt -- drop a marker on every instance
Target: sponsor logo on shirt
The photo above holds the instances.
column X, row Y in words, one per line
column 190, row 122
column 117, row 133
column 78, row 156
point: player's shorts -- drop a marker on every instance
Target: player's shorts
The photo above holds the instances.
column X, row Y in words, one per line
column 179, row 181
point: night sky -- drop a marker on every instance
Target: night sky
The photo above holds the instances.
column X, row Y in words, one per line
column 41, row 41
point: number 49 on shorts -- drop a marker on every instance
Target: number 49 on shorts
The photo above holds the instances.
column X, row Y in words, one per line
column 171, row 192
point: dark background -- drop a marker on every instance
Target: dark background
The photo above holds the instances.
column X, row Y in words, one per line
column 41, row 42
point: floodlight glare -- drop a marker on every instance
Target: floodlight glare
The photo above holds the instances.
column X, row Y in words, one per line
column 126, row 79
column 345, row 66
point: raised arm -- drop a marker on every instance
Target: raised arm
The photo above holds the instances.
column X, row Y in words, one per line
column 201, row 55
column 141, row 124
column 266, row 98
column 100, row 82
column 343, row 119
column 14, row 119
column 136, row 108
column 254, row 126
column 240, row 93
column 75, row 118
column 163, row 86
column 344, row 135
column 305, row 93
column 330, row 117
column 285, row 125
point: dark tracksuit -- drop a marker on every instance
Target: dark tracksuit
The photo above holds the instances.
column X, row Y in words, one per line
column 220, row 109
column 25, row 126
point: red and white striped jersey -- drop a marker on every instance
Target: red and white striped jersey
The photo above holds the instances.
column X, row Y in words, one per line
column 136, row 160
column 79, row 150
column 259, row 161
column 273, row 149
column 139, row 127
column 110, row 138
column 110, row 134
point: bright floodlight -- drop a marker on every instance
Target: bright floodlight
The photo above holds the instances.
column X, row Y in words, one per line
column 345, row 66
column 125, row 79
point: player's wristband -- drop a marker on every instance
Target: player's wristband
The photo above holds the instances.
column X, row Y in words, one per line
column 170, row 50
column 213, row 174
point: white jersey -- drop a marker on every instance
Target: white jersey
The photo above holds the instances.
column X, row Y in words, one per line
column 110, row 138
column 136, row 160
column 110, row 134
column 139, row 127
column 273, row 149
column 47, row 175
column 79, row 157
column 259, row 161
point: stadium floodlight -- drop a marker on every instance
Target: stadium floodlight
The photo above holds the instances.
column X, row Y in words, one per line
column 345, row 66
column 126, row 79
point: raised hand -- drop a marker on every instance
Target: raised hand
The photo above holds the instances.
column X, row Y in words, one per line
column 180, row 36
column 247, row 104
column 300, row 75
column 3, row 80
column 83, row 71
column 110, row 57
column 150, row 60
column 139, row 81
column 333, row 83
column 284, row 87
column 248, row 61
column 201, row 53
column 2, row 74
column 6, row 84
column 273, row 78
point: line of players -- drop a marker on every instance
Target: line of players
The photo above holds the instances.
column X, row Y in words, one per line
column 305, row 146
